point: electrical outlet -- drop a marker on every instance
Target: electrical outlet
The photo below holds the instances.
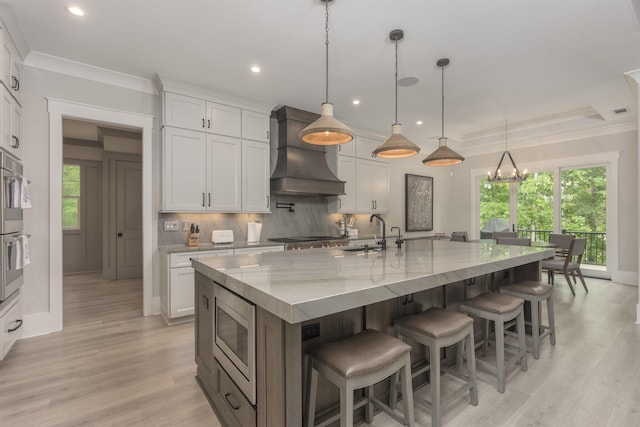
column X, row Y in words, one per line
column 186, row 225
column 171, row 226
column 310, row 331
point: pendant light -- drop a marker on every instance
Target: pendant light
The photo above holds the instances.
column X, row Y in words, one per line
column 516, row 175
column 397, row 145
column 326, row 130
column 443, row 156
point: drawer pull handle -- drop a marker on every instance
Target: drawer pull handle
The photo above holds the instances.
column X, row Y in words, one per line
column 19, row 321
column 234, row 407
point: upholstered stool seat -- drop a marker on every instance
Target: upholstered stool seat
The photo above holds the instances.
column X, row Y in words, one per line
column 359, row 361
column 535, row 293
column 438, row 328
column 499, row 308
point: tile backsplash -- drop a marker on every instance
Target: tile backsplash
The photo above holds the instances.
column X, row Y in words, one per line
column 311, row 217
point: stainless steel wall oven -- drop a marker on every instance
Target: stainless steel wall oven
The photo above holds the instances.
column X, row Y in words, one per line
column 13, row 246
column 235, row 339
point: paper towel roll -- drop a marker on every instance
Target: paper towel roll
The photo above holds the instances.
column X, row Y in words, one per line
column 253, row 232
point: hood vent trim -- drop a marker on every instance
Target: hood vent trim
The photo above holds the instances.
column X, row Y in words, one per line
column 301, row 168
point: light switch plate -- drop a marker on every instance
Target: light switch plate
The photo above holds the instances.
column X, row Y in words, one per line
column 171, row 226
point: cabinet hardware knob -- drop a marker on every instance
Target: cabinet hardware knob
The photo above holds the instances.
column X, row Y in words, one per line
column 203, row 122
column 16, row 141
column 119, row 234
column 268, row 134
column 15, row 83
column 203, row 200
column 208, row 124
column 209, row 198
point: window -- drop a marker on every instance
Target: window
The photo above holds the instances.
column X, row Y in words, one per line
column 71, row 197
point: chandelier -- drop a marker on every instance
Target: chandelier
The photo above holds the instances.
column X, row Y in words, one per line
column 516, row 175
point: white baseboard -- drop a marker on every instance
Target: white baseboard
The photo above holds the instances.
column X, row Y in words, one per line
column 40, row 324
column 625, row 277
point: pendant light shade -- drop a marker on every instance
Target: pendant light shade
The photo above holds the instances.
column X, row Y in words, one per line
column 397, row 145
column 443, row 155
column 516, row 175
column 326, row 130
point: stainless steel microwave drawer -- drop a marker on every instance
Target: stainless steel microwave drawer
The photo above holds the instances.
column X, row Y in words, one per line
column 228, row 395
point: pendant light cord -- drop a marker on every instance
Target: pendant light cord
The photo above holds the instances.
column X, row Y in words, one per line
column 396, row 82
column 506, row 145
column 326, row 53
column 443, row 102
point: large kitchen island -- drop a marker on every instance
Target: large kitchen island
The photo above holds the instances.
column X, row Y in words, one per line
column 303, row 298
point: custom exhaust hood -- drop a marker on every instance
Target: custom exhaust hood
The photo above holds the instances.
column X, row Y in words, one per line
column 301, row 168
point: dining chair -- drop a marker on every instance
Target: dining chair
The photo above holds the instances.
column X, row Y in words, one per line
column 567, row 266
column 561, row 242
column 514, row 241
column 459, row 236
column 499, row 234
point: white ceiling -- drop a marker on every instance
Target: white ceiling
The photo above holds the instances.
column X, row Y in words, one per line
column 549, row 67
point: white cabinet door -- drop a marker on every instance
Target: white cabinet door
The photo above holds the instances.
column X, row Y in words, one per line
column 181, row 292
column 365, row 147
column 348, row 149
column 16, row 130
column 16, row 75
column 380, row 184
column 6, row 51
column 364, row 188
column 224, row 174
column 255, row 126
column 223, row 119
column 347, row 172
column 185, row 112
column 6, row 112
column 185, row 170
column 255, row 177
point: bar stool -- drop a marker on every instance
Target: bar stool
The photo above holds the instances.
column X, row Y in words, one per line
column 438, row 328
column 359, row 361
column 499, row 308
column 535, row 293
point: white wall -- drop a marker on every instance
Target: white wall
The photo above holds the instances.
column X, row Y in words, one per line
column 38, row 85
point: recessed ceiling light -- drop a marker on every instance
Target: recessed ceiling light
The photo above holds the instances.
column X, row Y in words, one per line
column 255, row 69
column 356, row 102
column 419, row 122
column 75, row 10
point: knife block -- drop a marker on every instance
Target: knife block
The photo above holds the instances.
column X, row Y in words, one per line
column 193, row 239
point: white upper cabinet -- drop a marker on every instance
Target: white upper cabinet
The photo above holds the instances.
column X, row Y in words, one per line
column 255, row 177
column 365, row 147
column 346, row 171
column 184, row 177
column 224, row 174
column 223, row 119
column 185, row 112
column 10, row 65
column 348, row 149
column 10, row 123
column 255, row 126
column 197, row 114
column 372, row 186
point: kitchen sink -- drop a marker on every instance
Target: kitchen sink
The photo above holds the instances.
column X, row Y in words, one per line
column 361, row 248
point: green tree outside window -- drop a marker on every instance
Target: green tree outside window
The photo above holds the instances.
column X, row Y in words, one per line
column 71, row 197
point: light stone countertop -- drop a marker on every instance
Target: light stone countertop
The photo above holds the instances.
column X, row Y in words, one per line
column 172, row 249
column 308, row 284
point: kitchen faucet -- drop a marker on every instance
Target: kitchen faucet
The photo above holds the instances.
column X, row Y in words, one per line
column 399, row 240
column 383, row 242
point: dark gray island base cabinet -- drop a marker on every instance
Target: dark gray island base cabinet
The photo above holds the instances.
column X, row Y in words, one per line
column 279, row 345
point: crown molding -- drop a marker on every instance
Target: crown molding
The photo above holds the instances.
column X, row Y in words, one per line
column 89, row 72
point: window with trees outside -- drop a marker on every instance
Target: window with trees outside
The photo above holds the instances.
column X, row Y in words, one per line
column 71, row 197
column 531, row 207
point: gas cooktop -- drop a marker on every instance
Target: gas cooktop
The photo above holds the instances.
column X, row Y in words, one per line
column 308, row 242
column 304, row 239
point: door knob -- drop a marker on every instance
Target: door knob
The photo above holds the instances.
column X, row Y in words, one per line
column 119, row 234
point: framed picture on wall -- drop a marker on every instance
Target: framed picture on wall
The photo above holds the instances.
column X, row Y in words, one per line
column 418, row 203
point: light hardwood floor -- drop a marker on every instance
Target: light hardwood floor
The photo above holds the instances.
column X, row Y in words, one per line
column 112, row 367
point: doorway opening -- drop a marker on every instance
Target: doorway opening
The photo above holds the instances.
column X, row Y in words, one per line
column 58, row 111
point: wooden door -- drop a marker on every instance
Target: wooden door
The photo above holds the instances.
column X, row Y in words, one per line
column 128, row 219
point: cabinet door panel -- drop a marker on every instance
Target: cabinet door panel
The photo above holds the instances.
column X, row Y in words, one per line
column 181, row 291
column 255, row 126
column 185, row 165
column 380, row 182
column 255, row 177
column 223, row 119
column 347, row 172
column 364, row 189
column 184, row 111
column 224, row 174
column 6, row 105
column 16, row 130
column 365, row 147
column 204, row 321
